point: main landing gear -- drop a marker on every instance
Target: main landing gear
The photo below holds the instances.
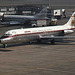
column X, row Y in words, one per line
column 53, row 42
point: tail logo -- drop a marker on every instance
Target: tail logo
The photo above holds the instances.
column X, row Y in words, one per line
column 72, row 23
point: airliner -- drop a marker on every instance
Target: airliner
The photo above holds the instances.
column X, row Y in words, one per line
column 20, row 19
column 39, row 33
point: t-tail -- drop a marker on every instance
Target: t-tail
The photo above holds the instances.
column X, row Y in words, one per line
column 71, row 23
column 42, row 14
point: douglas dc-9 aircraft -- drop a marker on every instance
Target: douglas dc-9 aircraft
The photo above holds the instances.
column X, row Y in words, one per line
column 30, row 34
column 20, row 19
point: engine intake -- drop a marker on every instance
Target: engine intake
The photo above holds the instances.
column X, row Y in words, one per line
column 1, row 16
column 66, row 32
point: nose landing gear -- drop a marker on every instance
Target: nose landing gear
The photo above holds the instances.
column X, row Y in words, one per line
column 5, row 45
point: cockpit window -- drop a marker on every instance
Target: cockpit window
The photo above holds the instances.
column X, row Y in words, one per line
column 6, row 35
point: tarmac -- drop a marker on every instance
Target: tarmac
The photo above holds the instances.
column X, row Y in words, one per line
column 37, row 59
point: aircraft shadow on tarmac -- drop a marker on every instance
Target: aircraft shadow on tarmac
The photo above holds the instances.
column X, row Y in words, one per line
column 66, row 42
column 2, row 50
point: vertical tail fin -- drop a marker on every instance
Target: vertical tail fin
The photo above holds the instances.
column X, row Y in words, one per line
column 42, row 14
column 71, row 22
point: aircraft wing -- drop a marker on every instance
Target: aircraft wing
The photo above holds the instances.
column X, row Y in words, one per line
column 14, row 22
column 57, row 37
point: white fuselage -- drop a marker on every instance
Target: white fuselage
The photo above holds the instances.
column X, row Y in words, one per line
column 17, row 16
column 29, row 34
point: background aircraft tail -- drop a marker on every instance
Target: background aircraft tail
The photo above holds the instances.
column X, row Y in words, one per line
column 42, row 14
column 71, row 22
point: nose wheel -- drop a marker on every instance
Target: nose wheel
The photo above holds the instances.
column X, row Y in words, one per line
column 4, row 45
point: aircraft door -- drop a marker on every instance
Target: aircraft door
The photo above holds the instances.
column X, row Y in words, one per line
column 14, row 36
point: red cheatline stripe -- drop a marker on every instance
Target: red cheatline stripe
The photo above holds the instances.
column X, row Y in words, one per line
column 37, row 33
column 34, row 33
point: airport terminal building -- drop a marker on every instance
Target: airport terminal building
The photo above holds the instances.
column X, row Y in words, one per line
column 28, row 7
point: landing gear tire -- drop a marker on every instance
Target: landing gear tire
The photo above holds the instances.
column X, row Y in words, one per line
column 4, row 45
column 30, row 42
column 52, row 42
column 39, row 41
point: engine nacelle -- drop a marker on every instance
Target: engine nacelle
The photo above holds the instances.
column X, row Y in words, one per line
column 66, row 32
column 1, row 16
